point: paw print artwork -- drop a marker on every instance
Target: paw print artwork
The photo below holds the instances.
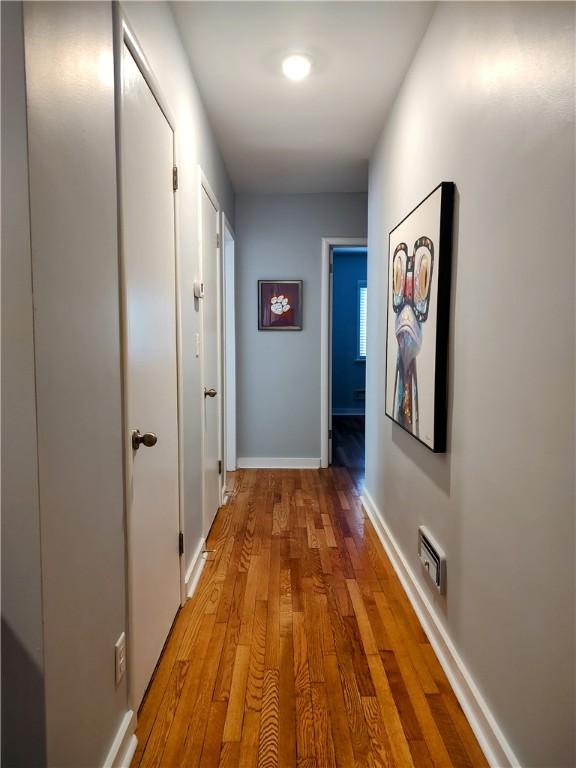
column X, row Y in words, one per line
column 279, row 304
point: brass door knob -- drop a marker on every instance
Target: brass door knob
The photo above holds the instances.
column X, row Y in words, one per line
column 210, row 392
column 148, row 439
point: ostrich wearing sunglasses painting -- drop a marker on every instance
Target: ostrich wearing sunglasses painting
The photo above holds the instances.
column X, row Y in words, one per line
column 411, row 283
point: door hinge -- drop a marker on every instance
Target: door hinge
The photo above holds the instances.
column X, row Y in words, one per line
column 217, row 240
column 180, row 543
column 220, row 466
column 175, row 178
column 329, row 434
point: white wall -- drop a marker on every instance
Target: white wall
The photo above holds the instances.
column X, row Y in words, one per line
column 73, row 213
column 278, row 373
column 158, row 36
column 489, row 104
column 23, row 731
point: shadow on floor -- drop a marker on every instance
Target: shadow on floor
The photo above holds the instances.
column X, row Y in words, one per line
column 348, row 442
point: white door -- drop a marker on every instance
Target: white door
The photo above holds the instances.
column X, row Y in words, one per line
column 211, row 359
column 147, row 156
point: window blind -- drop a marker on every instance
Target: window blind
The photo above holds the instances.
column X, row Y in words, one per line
column 363, row 292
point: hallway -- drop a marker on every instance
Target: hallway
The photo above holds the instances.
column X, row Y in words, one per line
column 288, row 415
column 299, row 645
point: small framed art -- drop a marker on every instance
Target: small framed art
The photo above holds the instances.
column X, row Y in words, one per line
column 279, row 305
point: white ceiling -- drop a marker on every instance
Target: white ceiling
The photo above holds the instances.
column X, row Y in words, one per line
column 312, row 136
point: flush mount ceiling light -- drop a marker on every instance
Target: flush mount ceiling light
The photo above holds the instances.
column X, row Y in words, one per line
column 296, row 67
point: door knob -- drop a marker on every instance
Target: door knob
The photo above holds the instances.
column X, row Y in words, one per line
column 148, row 439
column 210, row 392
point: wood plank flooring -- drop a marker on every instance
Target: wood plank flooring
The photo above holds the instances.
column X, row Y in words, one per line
column 300, row 647
column 348, row 442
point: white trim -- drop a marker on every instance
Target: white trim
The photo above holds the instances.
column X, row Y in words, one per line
column 195, row 569
column 179, row 377
column 209, row 191
column 203, row 184
column 229, row 344
column 124, row 745
column 129, row 38
column 490, row 737
column 277, row 463
column 126, row 760
column 325, row 339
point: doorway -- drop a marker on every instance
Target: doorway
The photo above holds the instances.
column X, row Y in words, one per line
column 342, row 426
column 348, row 356
column 149, row 313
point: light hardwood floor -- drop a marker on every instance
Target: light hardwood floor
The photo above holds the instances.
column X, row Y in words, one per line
column 300, row 647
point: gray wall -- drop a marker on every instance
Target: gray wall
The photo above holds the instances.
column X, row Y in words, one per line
column 489, row 104
column 23, row 732
column 74, row 495
column 70, row 93
column 156, row 31
column 278, row 373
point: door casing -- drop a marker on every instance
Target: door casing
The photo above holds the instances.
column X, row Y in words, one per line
column 229, row 345
column 326, row 342
column 124, row 35
column 204, row 186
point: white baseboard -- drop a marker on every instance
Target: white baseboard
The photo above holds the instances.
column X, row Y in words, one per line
column 126, row 759
column 490, row 737
column 124, row 745
column 277, row 463
column 195, row 569
column 225, row 497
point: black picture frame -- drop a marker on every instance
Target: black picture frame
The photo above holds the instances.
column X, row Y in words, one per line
column 443, row 267
column 296, row 325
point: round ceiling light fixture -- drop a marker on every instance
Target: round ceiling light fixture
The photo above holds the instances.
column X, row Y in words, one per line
column 296, row 67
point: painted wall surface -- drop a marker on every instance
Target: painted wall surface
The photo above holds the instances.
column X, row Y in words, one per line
column 348, row 372
column 280, row 237
column 73, row 212
column 154, row 27
column 69, row 66
column 489, row 104
column 23, row 731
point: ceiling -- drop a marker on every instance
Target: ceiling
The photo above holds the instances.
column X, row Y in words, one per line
column 315, row 135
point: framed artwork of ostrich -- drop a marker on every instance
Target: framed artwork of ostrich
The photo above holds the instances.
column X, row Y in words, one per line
column 419, row 262
column 279, row 305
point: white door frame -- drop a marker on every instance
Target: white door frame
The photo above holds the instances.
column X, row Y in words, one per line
column 229, row 345
column 124, row 35
column 326, row 340
column 204, row 184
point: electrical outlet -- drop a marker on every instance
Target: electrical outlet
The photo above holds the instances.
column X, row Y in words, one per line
column 120, row 657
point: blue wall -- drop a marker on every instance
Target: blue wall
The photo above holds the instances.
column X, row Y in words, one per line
column 348, row 375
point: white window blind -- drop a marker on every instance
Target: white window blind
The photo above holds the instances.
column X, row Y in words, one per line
column 362, row 317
